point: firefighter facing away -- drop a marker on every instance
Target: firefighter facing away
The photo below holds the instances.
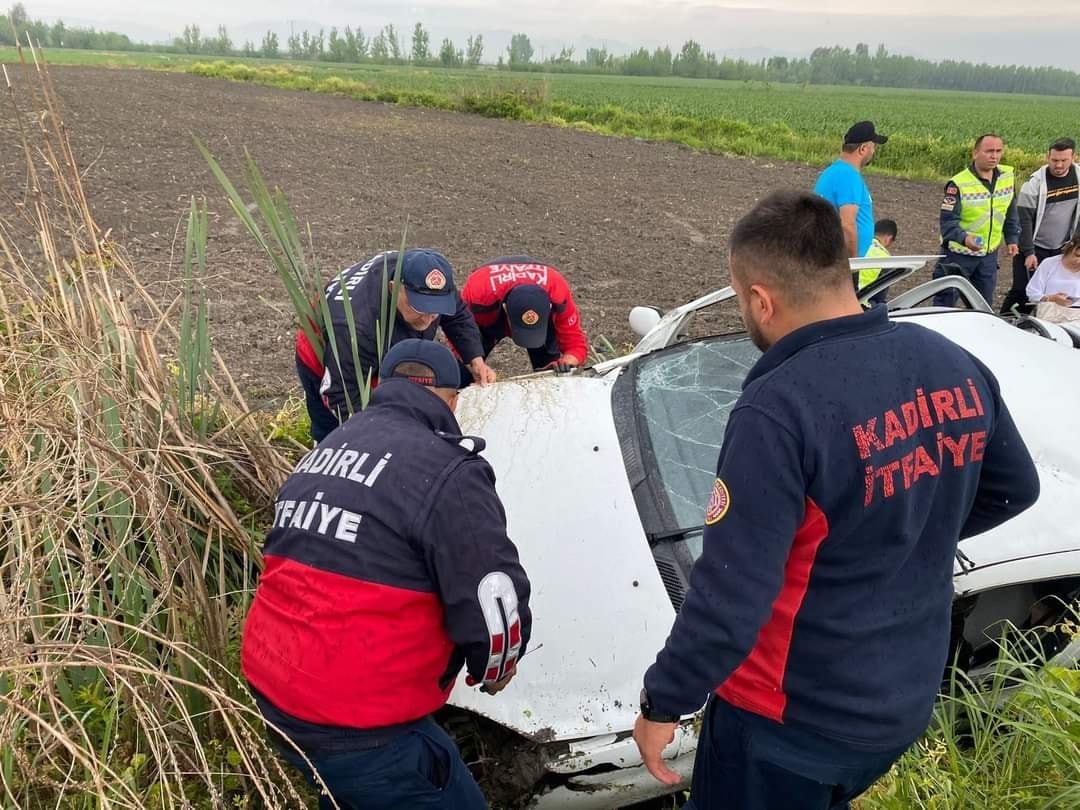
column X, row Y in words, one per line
column 817, row 622
column 387, row 569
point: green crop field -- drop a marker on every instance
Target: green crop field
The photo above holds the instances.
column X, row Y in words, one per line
column 930, row 131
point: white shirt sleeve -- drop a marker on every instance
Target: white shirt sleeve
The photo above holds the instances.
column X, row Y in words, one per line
column 1036, row 286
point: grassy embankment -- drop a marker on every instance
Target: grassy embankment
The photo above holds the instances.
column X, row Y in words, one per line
column 930, row 131
column 1012, row 742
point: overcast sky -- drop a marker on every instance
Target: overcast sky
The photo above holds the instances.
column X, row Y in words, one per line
column 739, row 27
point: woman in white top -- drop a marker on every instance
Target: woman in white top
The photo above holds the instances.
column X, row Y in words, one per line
column 1057, row 280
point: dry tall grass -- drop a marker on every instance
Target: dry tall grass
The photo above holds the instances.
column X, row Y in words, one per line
column 128, row 509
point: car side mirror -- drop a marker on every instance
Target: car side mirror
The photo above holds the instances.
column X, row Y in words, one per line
column 644, row 319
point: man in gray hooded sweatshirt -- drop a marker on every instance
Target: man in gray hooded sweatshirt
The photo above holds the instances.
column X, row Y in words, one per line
column 1049, row 209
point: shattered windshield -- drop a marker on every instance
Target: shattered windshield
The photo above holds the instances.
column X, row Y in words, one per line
column 683, row 398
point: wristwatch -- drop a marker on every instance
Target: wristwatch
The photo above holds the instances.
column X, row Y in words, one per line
column 648, row 713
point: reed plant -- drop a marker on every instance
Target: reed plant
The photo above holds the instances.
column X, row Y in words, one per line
column 133, row 482
column 266, row 215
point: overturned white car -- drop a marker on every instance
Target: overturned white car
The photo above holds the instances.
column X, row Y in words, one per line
column 605, row 475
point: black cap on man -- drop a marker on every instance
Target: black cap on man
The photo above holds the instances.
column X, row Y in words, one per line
column 864, row 132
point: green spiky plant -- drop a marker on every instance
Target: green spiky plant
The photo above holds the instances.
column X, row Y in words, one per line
column 1010, row 739
column 279, row 238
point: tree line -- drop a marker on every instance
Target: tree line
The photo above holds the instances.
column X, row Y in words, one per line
column 825, row 65
column 16, row 25
column 834, row 65
column 387, row 46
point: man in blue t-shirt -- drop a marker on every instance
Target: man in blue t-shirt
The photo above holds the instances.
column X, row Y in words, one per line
column 842, row 185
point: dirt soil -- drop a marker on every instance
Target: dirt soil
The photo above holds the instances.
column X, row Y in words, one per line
column 627, row 221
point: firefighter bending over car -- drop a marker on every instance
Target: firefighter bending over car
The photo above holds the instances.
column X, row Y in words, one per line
column 530, row 302
column 428, row 300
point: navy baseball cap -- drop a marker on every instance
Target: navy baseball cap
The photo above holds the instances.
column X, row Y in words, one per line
column 528, row 309
column 445, row 372
column 429, row 282
column 864, row 132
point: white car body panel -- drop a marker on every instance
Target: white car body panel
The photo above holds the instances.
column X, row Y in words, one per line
column 573, row 517
column 1040, row 382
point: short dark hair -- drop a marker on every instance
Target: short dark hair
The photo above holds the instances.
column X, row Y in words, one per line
column 848, row 148
column 984, row 136
column 885, row 227
column 1063, row 145
column 794, row 241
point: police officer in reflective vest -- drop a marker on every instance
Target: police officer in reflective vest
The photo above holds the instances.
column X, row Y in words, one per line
column 387, row 569
column 978, row 212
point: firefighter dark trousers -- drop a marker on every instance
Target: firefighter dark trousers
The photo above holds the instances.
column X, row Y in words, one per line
column 420, row 770
column 745, row 762
column 323, row 420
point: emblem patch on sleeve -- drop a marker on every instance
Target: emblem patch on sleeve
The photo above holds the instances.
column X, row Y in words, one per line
column 718, row 503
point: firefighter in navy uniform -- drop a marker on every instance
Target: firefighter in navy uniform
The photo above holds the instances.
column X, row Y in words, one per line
column 428, row 301
column 818, row 615
column 387, row 569
column 978, row 213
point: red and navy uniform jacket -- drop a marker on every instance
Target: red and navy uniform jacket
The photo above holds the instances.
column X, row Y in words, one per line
column 387, row 568
column 858, row 453
column 342, row 381
column 486, row 288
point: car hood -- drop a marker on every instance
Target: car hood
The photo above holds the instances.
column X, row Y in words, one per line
column 600, row 609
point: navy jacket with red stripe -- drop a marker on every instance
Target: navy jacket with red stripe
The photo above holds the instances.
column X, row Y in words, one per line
column 857, row 455
column 363, row 285
column 388, row 567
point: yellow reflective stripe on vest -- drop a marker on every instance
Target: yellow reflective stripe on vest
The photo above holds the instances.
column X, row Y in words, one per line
column 876, row 251
column 982, row 212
